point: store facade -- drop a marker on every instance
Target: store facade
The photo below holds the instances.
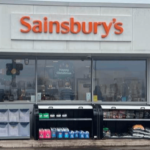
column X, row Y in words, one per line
column 100, row 54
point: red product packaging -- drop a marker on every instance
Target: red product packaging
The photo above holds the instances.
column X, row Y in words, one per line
column 47, row 134
column 41, row 133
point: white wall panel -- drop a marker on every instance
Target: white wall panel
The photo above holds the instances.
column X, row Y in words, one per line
column 84, row 10
column 50, row 10
column 83, row 47
column 50, row 45
column 116, row 11
column 5, row 22
column 116, row 47
column 141, row 30
column 20, row 44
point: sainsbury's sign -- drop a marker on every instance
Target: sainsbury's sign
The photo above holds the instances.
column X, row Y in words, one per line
column 71, row 27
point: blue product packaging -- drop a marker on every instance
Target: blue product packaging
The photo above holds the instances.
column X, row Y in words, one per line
column 81, row 134
column 66, row 133
column 86, row 135
column 76, row 134
column 53, row 132
column 59, row 133
column 71, row 134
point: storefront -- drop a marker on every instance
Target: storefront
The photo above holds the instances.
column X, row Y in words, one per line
column 72, row 53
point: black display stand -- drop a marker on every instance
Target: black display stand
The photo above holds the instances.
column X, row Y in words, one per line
column 88, row 118
column 79, row 117
column 121, row 125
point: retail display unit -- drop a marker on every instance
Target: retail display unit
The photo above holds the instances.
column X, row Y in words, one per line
column 73, row 117
column 119, row 121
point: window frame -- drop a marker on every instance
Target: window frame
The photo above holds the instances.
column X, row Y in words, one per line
column 15, row 56
column 124, row 59
column 82, row 58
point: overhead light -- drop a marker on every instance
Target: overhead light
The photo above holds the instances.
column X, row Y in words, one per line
column 55, row 61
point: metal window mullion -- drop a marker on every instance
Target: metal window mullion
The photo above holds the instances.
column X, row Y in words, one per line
column 92, row 80
column 148, row 81
column 36, row 80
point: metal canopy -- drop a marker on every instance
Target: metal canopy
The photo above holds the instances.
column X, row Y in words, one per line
column 88, row 3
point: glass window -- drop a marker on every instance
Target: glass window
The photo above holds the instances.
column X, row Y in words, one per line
column 17, row 79
column 119, row 80
column 64, row 80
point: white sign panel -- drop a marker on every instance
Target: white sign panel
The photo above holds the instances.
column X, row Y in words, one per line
column 71, row 27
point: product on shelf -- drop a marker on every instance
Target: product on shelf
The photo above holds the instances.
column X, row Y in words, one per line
column 41, row 134
column 71, row 134
column 122, row 114
column 137, row 131
column 64, row 115
column 45, row 115
column 137, row 135
column 58, row 115
column 139, row 114
column 65, row 133
column 76, row 134
column 40, row 116
column 81, row 134
column 106, row 132
column 138, row 127
column 86, row 135
column 126, row 135
column 105, row 114
column 130, row 114
column 146, row 136
column 126, row 114
column 59, row 133
column 114, row 114
column 115, row 135
column 53, row 132
column 52, row 115
column 146, row 115
column 44, row 134
column 47, row 134
column 147, row 130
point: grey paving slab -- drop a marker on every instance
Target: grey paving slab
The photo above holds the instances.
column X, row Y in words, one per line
column 72, row 143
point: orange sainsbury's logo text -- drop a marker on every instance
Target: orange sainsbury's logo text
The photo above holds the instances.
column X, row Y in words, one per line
column 71, row 26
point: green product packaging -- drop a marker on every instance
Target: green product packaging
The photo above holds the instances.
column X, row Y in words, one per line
column 46, row 116
column 105, row 129
column 40, row 116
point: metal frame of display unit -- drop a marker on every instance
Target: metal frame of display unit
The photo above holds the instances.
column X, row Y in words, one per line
column 75, row 110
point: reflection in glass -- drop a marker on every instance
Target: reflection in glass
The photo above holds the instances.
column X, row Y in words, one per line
column 17, row 79
column 123, row 81
column 64, row 80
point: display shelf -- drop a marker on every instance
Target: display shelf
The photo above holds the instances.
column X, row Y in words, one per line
column 126, row 119
column 67, row 119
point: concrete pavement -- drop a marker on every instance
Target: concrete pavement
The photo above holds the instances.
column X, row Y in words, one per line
column 73, row 143
column 83, row 148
